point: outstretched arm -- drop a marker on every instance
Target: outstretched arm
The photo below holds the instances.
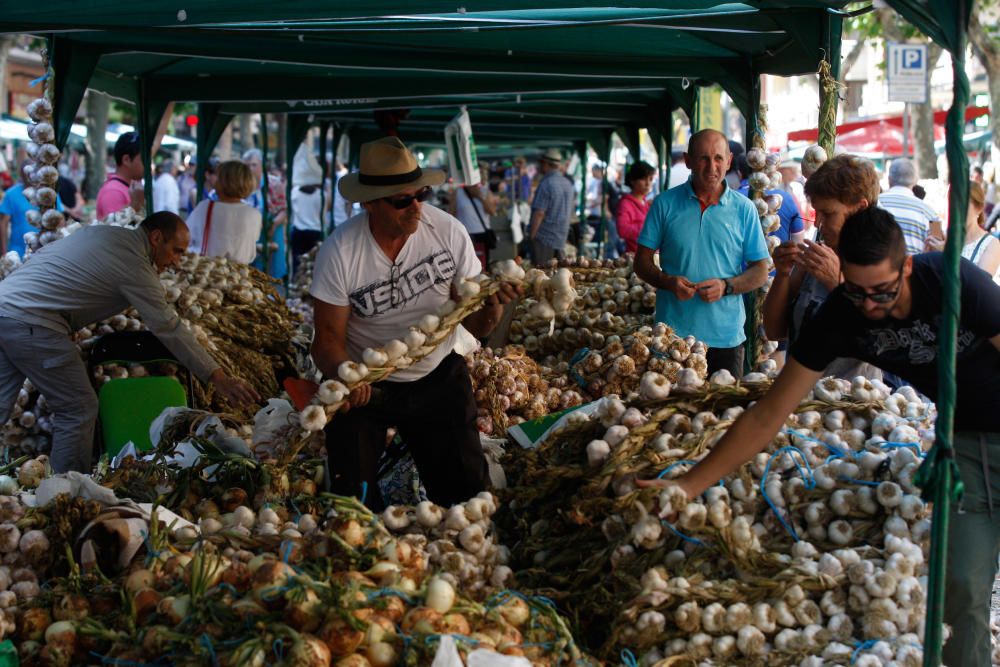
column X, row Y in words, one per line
column 751, row 432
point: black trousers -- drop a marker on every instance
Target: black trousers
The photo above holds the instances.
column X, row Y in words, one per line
column 302, row 241
column 730, row 358
column 436, row 417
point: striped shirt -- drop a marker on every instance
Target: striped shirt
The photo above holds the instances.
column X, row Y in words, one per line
column 913, row 215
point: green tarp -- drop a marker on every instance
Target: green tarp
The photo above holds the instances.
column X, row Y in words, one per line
column 278, row 57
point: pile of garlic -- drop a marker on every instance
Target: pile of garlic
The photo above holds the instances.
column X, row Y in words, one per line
column 610, row 301
column 724, row 579
column 29, row 428
column 510, row 386
column 460, row 542
column 645, row 364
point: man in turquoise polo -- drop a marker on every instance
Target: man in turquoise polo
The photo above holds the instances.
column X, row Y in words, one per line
column 712, row 250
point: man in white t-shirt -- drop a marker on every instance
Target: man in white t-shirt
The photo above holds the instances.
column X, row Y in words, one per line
column 374, row 277
column 915, row 217
column 166, row 192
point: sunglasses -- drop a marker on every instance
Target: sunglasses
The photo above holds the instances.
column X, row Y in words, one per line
column 857, row 295
column 402, row 202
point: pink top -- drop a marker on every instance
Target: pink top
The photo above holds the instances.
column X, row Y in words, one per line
column 631, row 216
column 112, row 197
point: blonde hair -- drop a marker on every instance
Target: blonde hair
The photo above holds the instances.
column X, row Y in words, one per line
column 234, row 179
column 845, row 178
column 977, row 197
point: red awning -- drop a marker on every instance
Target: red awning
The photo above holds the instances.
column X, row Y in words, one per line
column 812, row 134
column 881, row 137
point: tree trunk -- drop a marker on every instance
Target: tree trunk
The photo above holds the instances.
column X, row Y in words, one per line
column 98, row 105
column 246, row 132
column 6, row 41
column 987, row 49
column 921, row 115
column 922, row 122
column 851, row 59
column 225, row 146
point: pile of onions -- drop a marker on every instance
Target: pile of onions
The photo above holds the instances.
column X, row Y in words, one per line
column 328, row 587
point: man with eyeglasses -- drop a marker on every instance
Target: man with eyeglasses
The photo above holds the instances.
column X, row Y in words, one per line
column 374, row 278
column 887, row 311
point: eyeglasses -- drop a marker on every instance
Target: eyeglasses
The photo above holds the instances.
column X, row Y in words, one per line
column 395, row 293
column 402, row 202
column 857, row 295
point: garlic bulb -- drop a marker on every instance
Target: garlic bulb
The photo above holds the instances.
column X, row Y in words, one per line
column 352, row 372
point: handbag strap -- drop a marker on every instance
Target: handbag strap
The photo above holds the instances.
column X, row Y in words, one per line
column 475, row 208
column 975, row 251
column 208, row 228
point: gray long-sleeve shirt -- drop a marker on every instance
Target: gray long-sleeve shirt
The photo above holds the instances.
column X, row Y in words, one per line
column 97, row 273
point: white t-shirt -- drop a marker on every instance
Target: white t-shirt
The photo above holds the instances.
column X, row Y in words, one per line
column 974, row 251
column 307, row 210
column 234, row 231
column 166, row 194
column 352, row 270
column 679, row 174
column 466, row 210
column 339, row 203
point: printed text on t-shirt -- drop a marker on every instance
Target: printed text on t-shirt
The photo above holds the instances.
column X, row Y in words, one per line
column 377, row 298
column 920, row 338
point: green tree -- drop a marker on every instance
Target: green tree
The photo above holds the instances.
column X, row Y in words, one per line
column 885, row 25
column 984, row 36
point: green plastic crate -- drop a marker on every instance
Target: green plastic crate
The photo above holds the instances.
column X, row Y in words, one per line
column 128, row 406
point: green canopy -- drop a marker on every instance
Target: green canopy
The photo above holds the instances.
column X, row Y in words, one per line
column 590, row 68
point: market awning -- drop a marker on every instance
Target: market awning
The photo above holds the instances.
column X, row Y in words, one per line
column 276, row 57
column 810, row 134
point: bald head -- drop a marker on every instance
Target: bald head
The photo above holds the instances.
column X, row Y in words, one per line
column 709, row 159
column 707, row 136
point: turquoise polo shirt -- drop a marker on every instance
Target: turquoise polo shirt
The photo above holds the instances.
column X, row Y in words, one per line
column 718, row 243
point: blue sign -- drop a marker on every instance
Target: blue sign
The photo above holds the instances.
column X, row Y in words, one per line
column 907, row 73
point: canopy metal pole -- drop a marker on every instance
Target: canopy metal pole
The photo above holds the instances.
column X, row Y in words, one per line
column 324, row 129
column 265, row 214
column 291, row 134
column 753, row 301
column 145, row 142
column 938, row 475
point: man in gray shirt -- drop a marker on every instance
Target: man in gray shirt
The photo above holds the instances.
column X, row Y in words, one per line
column 69, row 284
column 550, row 210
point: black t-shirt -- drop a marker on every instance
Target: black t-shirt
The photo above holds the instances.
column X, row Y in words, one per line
column 908, row 347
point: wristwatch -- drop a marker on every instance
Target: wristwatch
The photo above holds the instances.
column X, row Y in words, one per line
column 729, row 287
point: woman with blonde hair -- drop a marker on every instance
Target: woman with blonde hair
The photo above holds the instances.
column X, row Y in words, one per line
column 227, row 227
column 981, row 248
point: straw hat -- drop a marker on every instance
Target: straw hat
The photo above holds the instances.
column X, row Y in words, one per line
column 552, row 155
column 387, row 167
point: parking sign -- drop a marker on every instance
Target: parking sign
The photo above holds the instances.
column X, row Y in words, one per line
column 907, row 73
